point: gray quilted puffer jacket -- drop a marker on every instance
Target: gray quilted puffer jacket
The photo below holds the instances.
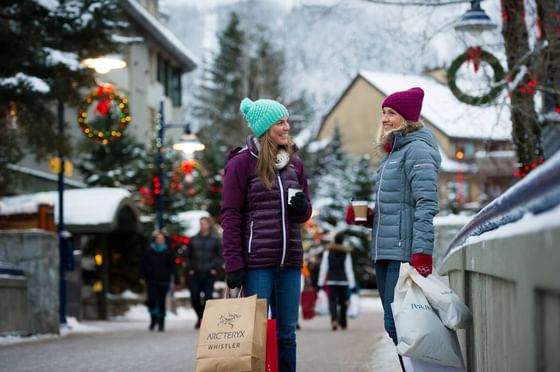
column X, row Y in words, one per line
column 407, row 197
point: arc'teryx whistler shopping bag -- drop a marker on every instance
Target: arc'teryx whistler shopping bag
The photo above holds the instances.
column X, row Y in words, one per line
column 232, row 335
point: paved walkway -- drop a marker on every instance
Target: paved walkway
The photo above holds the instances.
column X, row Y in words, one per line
column 128, row 346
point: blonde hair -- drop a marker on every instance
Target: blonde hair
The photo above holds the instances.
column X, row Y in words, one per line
column 406, row 126
column 267, row 158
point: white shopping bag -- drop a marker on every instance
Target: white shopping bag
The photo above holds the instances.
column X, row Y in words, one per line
column 420, row 332
column 451, row 309
column 322, row 303
column 419, row 365
column 354, row 307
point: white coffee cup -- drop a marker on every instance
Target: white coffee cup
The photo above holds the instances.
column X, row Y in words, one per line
column 360, row 210
column 291, row 192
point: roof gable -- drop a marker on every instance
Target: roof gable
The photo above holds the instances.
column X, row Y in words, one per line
column 165, row 38
column 444, row 111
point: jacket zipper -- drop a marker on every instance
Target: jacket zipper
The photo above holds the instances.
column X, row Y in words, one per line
column 379, row 198
column 281, row 189
column 251, row 236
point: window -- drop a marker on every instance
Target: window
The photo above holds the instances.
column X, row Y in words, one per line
column 170, row 78
column 176, row 87
column 453, row 194
column 160, row 68
column 469, row 150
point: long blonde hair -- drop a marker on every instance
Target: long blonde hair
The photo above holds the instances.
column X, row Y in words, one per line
column 267, row 158
column 406, row 126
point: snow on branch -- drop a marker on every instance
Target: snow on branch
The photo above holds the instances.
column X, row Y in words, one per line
column 21, row 79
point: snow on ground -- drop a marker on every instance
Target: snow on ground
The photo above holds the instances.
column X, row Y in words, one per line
column 8, row 340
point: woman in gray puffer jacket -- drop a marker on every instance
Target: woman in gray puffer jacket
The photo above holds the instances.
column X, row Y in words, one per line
column 407, row 196
column 261, row 227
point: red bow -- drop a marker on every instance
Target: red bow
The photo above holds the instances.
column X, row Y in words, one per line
column 104, row 100
column 474, row 54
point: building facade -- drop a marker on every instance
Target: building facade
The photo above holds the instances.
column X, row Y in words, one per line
column 475, row 141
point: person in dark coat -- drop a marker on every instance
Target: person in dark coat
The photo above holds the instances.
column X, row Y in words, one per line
column 407, row 196
column 204, row 257
column 263, row 252
column 158, row 270
column 337, row 272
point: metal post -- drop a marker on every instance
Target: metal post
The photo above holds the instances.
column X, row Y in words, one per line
column 160, row 165
column 60, row 228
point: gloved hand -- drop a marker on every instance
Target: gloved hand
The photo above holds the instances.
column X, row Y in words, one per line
column 319, row 288
column 234, row 279
column 354, row 290
column 298, row 205
column 350, row 218
column 422, row 263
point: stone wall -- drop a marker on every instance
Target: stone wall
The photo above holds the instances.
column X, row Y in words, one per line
column 36, row 253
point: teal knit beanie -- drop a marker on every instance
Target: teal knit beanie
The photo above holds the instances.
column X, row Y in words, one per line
column 262, row 114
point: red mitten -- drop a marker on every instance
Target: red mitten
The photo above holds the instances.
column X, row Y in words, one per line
column 350, row 215
column 422, row 263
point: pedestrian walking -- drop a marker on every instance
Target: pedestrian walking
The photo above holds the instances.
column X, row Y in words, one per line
column 204, row 258
column 337, row 273
column 407, row 196
column 158, row 270
column 264, row 201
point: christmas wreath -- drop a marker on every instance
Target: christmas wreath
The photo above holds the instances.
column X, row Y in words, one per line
column 476, row 55
column 110, row 115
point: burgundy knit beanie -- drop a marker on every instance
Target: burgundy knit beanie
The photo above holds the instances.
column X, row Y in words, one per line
column 407, row 103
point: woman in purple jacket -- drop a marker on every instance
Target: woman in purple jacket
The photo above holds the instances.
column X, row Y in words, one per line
column 261, row 227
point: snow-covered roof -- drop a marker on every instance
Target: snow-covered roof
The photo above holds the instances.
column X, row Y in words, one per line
column 161, row 34
column 94, row 207
column 444, row 111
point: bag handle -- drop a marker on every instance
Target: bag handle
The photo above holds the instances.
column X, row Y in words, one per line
column 228, row 292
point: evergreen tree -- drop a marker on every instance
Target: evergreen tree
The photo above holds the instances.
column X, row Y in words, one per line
column 246, row 65
column 363, row 172
column 45, row 44
column 333, row 185
column 217, row 108
column 124, row 163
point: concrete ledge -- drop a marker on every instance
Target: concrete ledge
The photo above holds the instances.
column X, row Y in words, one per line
column 512, row 287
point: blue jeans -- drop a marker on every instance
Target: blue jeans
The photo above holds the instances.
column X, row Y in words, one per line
column 280, row 287
column 387, row 274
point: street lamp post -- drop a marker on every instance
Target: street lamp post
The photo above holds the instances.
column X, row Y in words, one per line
column 60, row 226
column 188, row 145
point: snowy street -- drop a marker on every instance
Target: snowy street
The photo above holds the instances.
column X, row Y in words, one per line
column 127, row 345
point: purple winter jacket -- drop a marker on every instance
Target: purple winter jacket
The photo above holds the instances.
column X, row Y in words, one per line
column 258, row 230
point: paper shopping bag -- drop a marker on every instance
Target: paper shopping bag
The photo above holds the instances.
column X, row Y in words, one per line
column 271, row 346
column 308, row 298
column 420, row 332
column 451, row 309
column 232, row 335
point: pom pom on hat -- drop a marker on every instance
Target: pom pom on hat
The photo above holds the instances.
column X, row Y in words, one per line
column 262, row 114
column 407, row 103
